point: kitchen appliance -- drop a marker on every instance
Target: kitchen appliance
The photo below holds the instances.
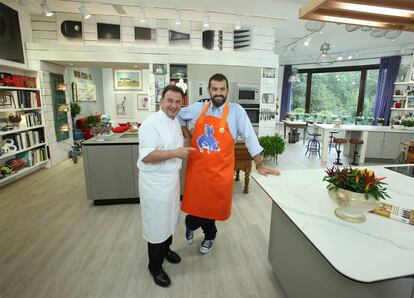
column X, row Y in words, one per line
column 253, row 112
column 405, row 170
column 248, row 94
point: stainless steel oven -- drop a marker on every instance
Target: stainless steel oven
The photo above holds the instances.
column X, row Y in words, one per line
column 253, row 112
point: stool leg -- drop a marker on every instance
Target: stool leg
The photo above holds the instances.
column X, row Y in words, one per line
column 307, row 147
column 354, row 163
column 338, row 151
column 330, row 143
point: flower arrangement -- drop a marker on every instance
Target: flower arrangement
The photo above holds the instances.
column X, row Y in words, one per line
column 356, row 180
column 101, row 129
column 380, row 120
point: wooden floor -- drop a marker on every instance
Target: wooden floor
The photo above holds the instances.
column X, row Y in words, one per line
column 54, row 243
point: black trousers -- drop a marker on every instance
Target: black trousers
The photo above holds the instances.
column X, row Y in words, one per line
column 207, row 225
column 156, row 254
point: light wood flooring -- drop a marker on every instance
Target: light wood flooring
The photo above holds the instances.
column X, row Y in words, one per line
column 54, row 243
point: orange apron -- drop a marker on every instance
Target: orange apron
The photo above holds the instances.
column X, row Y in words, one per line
column 209, row 175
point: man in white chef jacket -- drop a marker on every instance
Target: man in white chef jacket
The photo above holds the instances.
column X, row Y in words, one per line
column 161, row 151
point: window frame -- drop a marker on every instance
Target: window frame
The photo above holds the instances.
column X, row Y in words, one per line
column 362, row 84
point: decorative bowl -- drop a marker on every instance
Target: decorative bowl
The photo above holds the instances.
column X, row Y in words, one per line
column 352, row 205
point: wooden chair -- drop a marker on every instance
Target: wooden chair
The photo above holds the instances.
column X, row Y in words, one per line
column 242, row 162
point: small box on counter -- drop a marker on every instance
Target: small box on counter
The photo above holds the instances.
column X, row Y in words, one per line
column 394, row 212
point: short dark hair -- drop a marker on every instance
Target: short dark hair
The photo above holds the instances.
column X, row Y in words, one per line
column 174, row 89
column 218, row 77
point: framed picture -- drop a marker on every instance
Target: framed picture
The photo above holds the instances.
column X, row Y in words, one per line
column 159, row 68
column 84, row 75
column 268, row 98
column 142, row 102
column 159, row 82
column 6, row 99
column 125, row 79
column 83, row 92
column 269, row 72
column 410, row 102
column 123, row 103
column 158, row 96
column 76, row 74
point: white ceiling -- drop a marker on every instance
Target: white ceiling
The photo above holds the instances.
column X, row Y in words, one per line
column 279, row 14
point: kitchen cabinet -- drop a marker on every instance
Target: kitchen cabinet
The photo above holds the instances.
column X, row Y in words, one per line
column 383, row 145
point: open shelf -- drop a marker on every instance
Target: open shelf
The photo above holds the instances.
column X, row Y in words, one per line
column 20, row 151
column 22, row 172
column 404, row 83
column 19, row 88
column 3, row 133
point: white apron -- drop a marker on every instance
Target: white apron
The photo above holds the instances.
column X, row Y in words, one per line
column 160, row 204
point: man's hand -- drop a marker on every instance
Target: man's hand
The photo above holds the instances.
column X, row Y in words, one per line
column 183, row 152
column 267, row 171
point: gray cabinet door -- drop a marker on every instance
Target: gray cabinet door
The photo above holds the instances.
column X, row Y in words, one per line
column 134, row 153
column 391, row 147
column 110, row 172
column 374, row 144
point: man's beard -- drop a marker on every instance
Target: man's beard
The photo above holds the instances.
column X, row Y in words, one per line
column 218, row 101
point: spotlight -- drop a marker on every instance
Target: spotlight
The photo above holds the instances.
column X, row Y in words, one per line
column 142, row 18
column 46, row 9
column 307, row 41
column 178, row 17
column 238, row 24
column 84, row 12
column 206, row 21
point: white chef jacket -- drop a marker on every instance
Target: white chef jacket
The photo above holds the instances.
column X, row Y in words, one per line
column 159, row 183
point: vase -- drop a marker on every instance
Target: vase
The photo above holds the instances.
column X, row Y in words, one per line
column 352, row 205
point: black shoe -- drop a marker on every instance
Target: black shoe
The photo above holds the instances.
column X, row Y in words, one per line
column 161, row 278
column 172, row 257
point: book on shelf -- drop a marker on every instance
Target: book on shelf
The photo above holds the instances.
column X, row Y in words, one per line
column 394, row 212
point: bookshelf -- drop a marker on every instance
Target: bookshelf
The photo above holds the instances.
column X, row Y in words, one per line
column 23, row 140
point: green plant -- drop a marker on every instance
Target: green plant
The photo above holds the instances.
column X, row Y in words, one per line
column 75, row 109
column 408, row 122
column 273, row 146
column 356, row 180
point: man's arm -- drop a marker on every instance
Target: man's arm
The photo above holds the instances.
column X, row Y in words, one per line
column 161, row 155
column 261, row 169
column 187, row 135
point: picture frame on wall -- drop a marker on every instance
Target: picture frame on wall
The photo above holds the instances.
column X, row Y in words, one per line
column 269, row 72
column 159, row 82
column 126, row 79
column 268, row 98
column 158, row 96
column 142, row 102
column 159, row 69
column 123, row 104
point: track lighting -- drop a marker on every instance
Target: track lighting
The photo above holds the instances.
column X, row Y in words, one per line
column 206, row 21
column 178, row 17
column 46, row 9
column 308, row 41
column 142, row 18
column 84, row 12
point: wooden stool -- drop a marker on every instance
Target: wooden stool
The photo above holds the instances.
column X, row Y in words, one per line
column 410, row 154
column 242, row 162
column 331, row 137
column 338, row 142
column 356, row 142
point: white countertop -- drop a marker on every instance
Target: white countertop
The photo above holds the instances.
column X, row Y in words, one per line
column 378, row 249
column 374, row 128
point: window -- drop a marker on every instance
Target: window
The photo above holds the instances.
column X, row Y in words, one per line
column 343, row 92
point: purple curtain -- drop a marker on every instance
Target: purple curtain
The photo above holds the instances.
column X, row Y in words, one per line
column 286, row 89
column 388, row 73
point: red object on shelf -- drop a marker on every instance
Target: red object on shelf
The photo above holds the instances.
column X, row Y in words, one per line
column 397, row 105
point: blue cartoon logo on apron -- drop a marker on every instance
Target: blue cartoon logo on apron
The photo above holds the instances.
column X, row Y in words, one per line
column 207, row 140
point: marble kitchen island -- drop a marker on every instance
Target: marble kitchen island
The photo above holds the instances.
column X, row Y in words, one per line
column 316, row 254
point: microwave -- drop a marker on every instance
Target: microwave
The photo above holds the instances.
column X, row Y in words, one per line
column 248, row 94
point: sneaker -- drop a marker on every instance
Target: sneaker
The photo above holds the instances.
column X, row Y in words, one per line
column 189, row 235
column 206, row 246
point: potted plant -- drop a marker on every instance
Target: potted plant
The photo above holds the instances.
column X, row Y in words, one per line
column 355, row 191
column 408, row 123
column 75, row 110
column 380, row 121
column 273, row 146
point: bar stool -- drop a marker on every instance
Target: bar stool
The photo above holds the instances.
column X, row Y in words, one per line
column 338, row 142
column 356, row 142
column 313, row 146
column 331, row 137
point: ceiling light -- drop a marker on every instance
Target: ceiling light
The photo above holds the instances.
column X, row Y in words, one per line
column 84, row 12
column 142, row 18
column 378, row 10
column 307, row 41
column 238, row 24
column 325, row 58
column 206, row 21
column 178, row 17
column 349, row 56
column 295, row 76
column 340, row 58
column 46, row 9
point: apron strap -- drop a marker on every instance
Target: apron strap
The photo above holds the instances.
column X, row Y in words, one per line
column 204, row 111
column 224, row 114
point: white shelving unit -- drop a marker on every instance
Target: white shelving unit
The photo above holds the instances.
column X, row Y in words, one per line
column 29, row 136
column 404, row 83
